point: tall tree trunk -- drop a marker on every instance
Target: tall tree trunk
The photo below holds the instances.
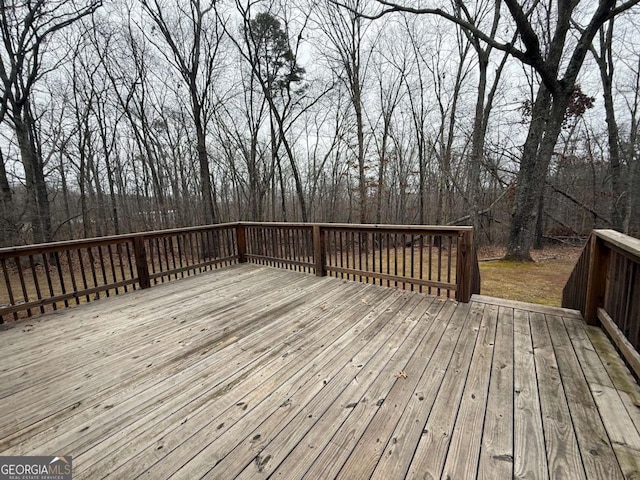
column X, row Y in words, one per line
column 362, row 181
column 205, row 177
column 9, row 235
column 38, row 210
column 546, row 123
column 606, row 65
column 477, row 145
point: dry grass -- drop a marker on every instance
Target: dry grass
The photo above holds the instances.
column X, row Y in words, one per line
column 539, row 282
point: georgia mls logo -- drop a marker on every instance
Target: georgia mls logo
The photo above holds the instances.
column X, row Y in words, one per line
column 36, row 468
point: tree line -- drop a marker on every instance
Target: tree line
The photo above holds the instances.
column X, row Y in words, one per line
column 519, row 118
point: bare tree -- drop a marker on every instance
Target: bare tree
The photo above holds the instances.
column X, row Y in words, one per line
column 190, row 38
column 27, row 29
column 604, row 58
column 345, row 29
column 557, row 62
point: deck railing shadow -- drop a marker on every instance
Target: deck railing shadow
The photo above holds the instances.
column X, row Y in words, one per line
column 45, row 277
column 605, row 287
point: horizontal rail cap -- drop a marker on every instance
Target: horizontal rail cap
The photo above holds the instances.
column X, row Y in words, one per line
column 624, row 242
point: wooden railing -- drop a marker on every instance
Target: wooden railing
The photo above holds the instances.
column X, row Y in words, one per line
column 605, row 287
column 435, row 260
column 39, row 278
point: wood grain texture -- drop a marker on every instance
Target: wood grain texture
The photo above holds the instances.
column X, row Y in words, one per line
column 259, row 372
column 496, row 453
column 563, row 453
column 530, row 459
column 595, row 447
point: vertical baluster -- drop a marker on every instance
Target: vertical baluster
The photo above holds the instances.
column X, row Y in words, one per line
column 395, row 258
column 372, row 247
column 94, row 275
column 152, row 259
column 278, row 247
column 179, row 240
column 388, row 237
column 229, row 236
column 421, row 255
column 83, row 274
column 359, row 245
column 404, row 259
column 113, row 267
column 121, row 264
column 25, row 295
column 162, row 255
column 171, row 248
column 7, row 282
column 380, row 256
column 339, row 248
column 49, row 282
column 104, row 271
column 272, row 247
column 440, row 242
column 73, row 277
column 196, row 248
column 36, row 283
column 412, row 260
column 63, row 287
column 449, row 255
column 431, row 243
column 130, row 262
column 292, row 245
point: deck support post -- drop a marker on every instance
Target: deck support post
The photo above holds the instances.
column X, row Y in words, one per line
column 142, row 266
column 319, row 252
column 241, row 243
column 597, row 279
column 464, row 277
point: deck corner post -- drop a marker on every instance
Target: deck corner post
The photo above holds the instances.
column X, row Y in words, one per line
column 142, row 265
column 241, row 243
column 464, row 258
column 319, row 253
column 597, row 279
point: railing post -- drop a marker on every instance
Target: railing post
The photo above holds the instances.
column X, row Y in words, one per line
column 241, row 240
column 597, row 279
column 142, row 266
column 464, row 257
column 319, row 254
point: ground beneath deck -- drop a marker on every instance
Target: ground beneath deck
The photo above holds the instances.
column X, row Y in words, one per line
column 255, row 372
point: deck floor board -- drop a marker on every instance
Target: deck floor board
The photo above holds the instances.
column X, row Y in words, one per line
column 255, row 372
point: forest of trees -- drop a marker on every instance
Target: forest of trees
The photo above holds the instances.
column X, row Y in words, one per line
column 519, row 117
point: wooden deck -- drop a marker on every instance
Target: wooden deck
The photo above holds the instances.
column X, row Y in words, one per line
column 255, row 372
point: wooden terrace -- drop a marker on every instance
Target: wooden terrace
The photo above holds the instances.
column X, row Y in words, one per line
column 254, row 368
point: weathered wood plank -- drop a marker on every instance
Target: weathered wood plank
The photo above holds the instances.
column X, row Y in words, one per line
column 464, row 451
column 563, row 453
column 130, row 365
column 430, row 454
column 496, row 454
column 269, row 339
column 530, row 460
column 597, row 454
column 384, row 365
column 219, row 408
column 528, row 307
column 618, row 372
column 304, row 454
column 615, row 407
column 185, row 385
column 330, row 381
column 332, row 458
